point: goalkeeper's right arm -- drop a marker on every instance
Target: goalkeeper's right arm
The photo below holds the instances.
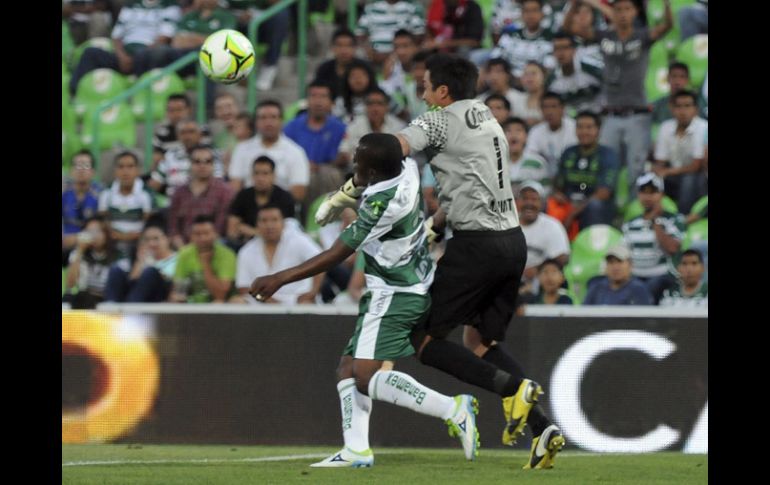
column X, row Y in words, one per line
column 331, row 208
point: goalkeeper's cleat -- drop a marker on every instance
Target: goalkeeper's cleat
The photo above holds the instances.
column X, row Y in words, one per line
column 545, row 447
column 462, row 424
column 516, row 409
column 347, row 458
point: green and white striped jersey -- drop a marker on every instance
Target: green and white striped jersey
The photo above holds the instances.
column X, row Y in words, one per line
column 382, row 19
column 676, row 297
column 647, row 256
column 389, row 232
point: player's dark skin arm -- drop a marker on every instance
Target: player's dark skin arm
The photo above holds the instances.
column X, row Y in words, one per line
column 265, row 286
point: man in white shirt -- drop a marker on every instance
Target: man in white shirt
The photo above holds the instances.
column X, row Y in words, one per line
column 680, row 151
column 556, row 132
column 292, row 169
column 376, row 120
column 276, row 249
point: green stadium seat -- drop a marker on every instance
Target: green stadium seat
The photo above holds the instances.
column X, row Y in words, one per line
column 291, row 111
column 67, row 44
column 587, row 258
column 104, row 43
column 487, row 7
column 578, row 272
column 697, row 231
column 695, row 53
column 97, row 86
column 655, row 12
column 702, row 203
column 656, row 79
column 325, row 17
column 65, row 82
column 621, row 190
column 635, row 208
column 117, row 127
column 160, row 90
column 70, row 143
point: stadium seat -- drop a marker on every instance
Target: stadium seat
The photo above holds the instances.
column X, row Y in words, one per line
column 587, row 258
column 160, row 90
column 117, row 127
column 635, row 209
column 70, row 143
column 655, row 11
column 695, row 53
column 65, row 82
column 97, row 86
column 293, row 109
column 487, row 7
column 67, row 44
column 621, row 190
column 325, row 17
column 104, row 43
column 702, row 203
column 656, row 80
column 697, row 231
column 578, row 272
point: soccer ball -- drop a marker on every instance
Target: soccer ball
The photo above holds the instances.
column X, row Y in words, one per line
column 226, row 56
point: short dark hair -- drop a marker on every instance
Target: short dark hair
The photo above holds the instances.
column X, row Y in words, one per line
column 380, row 91
column 84, row 151
column 514, row 120
column 693, row 252
column 264, row 159
column 499, row 61
column 552, row 95
column 561, row 35
column 204, row 219
column 317, row 83
column 270, row 205
column 405, row 33
column 270, row 102
column 179, row 97
column 685, row 93
column 126, row 153
column 422, row 56
column 498, row 97
column 679, row 65
column 590, row 114
column 203, row 146
column 552, row 261
column 459, row 75
column 343, row 32
column 539, row 2
column 382, row 152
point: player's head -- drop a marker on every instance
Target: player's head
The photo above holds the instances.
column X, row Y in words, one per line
column 378, row 157
column 691, row 267
column 448, row 79
column 270, row 223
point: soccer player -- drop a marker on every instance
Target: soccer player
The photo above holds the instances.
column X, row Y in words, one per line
column 390, row 231
column 477, row 279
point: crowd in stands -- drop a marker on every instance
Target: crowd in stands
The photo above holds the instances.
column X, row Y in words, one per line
column 603, row 104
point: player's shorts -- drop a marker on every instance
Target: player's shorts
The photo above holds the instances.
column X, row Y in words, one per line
column 385, row 321
column 477, row 282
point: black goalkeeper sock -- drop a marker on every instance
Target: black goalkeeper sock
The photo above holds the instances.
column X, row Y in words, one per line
column 498, row 356
column 460, row 362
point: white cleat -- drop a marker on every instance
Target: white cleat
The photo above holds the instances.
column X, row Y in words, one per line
column 346, row 458
column 462, row 424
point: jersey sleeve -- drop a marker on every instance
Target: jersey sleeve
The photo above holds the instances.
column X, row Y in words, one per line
column 369, row 225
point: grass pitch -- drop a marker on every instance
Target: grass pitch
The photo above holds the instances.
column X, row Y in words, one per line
column 236, row 465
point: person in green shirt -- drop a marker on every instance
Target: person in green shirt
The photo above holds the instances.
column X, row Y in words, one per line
column 205, row 268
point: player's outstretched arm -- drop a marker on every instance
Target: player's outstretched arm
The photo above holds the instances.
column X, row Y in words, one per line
column 263, row 287
column 405, row 148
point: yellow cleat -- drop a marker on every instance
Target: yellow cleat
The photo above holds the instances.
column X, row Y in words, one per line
column 545, row 447
column 516, row 410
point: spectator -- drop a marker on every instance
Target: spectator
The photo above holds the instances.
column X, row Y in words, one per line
column 140, row 26
column 654, row 237
column 272, row 32
column 360, row 80
column 577, row 80
column 618, row 287
column 292, row 170
column 338, row 278
column 223, row 127
column 588, row 14
column 203, row 195
column 587, row 176
column 87, row 19
column 242, row 218
column 174, row 170
column 242, row 130
column 530, row 43
column 332, row 72
column 319, row 134
column 398, row 65
column 271, row 252
column 550, row 275
column 680, row 152
column 626, row 49
column 527, row 104
column 694, row 19
column 460, row 29
column 205, row 268
column 497, row 77
column 414, row 105
column 499, row 106
column 552, row 136
column 546, row 237
column 678, row 80
column 382, row 19
column 524, row 165
column 150, row 277
column 178, row 109
column 89, row 264
column 690, row 291
column 126, row 204
column 375, row 120
column 78, row 203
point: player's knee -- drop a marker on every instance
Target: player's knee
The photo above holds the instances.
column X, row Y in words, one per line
column 362, row 382
column 345, row 368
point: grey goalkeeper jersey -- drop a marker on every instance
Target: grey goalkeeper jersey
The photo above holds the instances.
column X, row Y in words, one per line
column 468, row 154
